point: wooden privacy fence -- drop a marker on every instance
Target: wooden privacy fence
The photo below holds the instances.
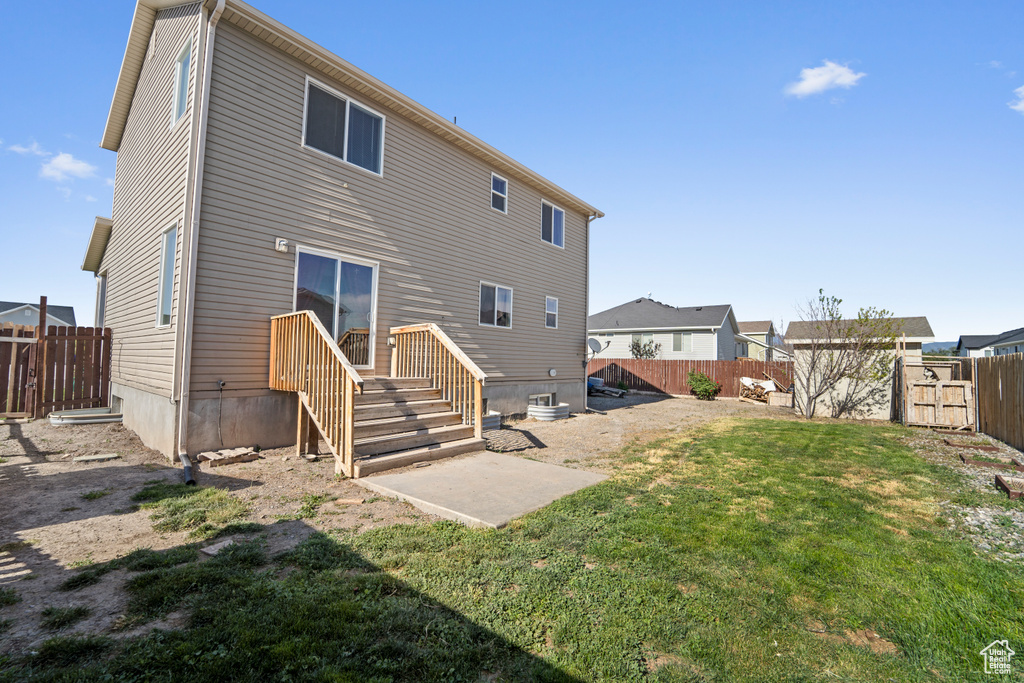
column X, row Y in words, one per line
column 669, row 376
column 424, row 350
column 68, row 368
column 1000, row 387
column 304, row 358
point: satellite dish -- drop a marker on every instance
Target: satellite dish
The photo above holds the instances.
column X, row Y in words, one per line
column 594, row 345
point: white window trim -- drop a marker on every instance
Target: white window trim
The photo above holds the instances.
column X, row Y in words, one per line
column 160, row 280
column 375, row 265
column 479, row 299
column 187, row 48
column 549, row 397
column 349, row 101
column 101, row 297
column 546, row 300
column 553, row 207
column 493, row 192
column 683, row 336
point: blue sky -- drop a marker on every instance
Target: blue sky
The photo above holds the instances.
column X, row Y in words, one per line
column 745, row 153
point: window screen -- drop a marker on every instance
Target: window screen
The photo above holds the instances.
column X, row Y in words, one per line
column 552, row 224
column 364, row 137
column 499, row 193
column 181, row 69
column 325, row 122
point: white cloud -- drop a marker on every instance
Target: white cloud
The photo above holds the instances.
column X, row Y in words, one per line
column 64, row 166
column 110, row 182
column 1019, row 104
column 995, row 64
column 89, row 198
column 66, row 191
column 822, row 78
column 34, row 148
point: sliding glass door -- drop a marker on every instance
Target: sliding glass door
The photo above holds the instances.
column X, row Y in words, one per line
column 342, row 291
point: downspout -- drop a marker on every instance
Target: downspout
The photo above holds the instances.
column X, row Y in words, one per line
column 586, row 314
column 193, row 242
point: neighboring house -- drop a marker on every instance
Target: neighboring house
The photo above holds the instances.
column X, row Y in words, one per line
column 877, row 398
column 979, row 345
column 759, row 340
column 258, row 174
column 1010, row 342
column 691, row 333
column 28, row 314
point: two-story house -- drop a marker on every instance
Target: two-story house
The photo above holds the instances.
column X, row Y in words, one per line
column 259, row 174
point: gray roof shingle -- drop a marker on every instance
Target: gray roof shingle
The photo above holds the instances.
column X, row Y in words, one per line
column 912, row 327
column 647, row 314
column 65, row 313
column 754, row 326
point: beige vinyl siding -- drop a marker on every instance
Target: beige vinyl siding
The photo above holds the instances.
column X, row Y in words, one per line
column 427, row 222
column 149, row 197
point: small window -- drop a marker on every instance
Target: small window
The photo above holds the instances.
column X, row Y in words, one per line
column 168, row 248
column 541, row 400
column 551, row 312
column 343, row 129
column 499, row 193
column 682, row 342
column 643, row 338
column 552, row 224
column 101, row 299
column 495, row 305
column 181, row 71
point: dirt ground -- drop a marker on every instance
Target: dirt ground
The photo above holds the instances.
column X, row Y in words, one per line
column 48, row 526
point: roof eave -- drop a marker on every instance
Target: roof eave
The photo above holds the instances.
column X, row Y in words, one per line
column 101, row 229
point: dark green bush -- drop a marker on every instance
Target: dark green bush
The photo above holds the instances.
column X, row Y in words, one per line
column 702, row 386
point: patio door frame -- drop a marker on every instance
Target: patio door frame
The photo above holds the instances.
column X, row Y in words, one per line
column 337, row 255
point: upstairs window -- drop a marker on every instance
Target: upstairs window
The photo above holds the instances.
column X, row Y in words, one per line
column 343, row 129
column 181, row 69
column 168, row 254
column 495, row 305
column 552, row 224
column 551, row 312
column 499, row 193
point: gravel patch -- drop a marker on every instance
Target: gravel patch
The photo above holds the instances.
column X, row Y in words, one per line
column 995, row 530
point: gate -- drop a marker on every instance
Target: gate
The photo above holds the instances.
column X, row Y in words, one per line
column 17, row 365
column 936, row 392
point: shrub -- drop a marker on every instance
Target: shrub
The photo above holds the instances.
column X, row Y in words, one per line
column 644, row 351
column 702, row 386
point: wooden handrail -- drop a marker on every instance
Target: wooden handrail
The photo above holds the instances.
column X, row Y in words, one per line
column 424, row 350
column 448, row 343
column 305, row 359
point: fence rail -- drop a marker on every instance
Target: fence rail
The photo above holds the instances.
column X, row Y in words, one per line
column 426, row 351
column 304, row 358
column 1000, row 386
column 669, row 376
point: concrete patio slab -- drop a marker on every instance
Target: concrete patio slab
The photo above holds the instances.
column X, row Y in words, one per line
column 484, row 490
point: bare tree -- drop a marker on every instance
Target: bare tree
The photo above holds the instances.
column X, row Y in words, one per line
column 846, row 363
column 644, row 351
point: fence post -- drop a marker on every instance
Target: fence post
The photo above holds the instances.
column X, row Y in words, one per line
column 34, row 398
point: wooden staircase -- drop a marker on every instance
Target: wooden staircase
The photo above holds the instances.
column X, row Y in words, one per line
column 402, row 421
column 431, row 406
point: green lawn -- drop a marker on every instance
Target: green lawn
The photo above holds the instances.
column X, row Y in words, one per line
column 752, row 551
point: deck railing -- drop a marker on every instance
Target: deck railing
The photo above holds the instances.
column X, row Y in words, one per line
column 305, row 359
column 424, row 350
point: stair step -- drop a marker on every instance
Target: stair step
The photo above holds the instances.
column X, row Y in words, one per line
column 380, row 411
column 404, row 423
column 381, row 463
column 408, row 440
column 397, row 396
column 378, row 383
